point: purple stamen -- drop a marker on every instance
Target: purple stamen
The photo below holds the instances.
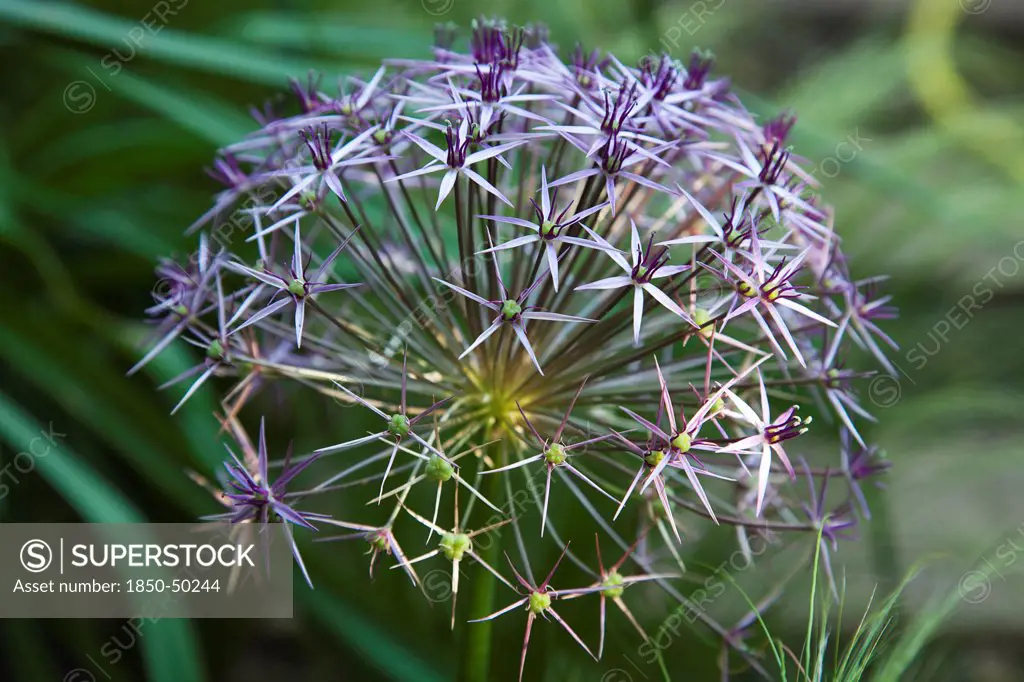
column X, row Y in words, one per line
column 698, row 69
column 774, row 161
column 318, row 140
column 777, row 130
column 308, row 94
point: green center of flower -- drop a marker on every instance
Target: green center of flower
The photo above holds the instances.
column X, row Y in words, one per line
column 345, row 109
column 308, row 201
column 701, row 317
column 746, row 289
column 614, row 585
column 215, row 351
column 297, row 288
column 180, row 310
column 510, row 309
column 381, row 137
column 654, row 457
column 681, row 442
column 555, row 454
column 539, row 602
column 398, row 425
column 548, row 229
column 832, row 378
column 641, row 272
column 455, row 545
column 378, row 541
column 439, row 470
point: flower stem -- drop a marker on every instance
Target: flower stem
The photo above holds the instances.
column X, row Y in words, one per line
column 476, row 658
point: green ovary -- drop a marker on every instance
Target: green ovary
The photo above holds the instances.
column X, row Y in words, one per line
column 398, row 425
column 614, row 585
column 455, row 545
column 654, row 457
column 215, row 351
column 681, row 442
column 379, row 542
column 701, row 317
column 555, row 454
column 539, row 602
column 510, row 309
column 439, row 470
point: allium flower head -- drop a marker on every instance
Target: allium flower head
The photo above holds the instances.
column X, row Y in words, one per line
column 610, row 278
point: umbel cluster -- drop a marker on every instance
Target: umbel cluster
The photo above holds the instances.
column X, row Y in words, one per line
column 610, row 286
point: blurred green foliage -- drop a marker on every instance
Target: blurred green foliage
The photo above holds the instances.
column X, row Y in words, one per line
column 912, row 116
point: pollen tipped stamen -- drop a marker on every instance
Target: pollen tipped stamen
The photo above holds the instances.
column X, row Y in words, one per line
column 318, row 141
column 788, row 426
column 773, row 163
column 457, row 147
column 698, row 69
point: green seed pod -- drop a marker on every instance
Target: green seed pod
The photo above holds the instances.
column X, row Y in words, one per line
column 439, row 470
column 215, row 351
column 539, row 602
column 308, row 201
column 510, row 309
column 297, row 288
column 555, row 454
column 614, row 585
column 701, row 317
column 681, row 442
column 398, row 425
column 654, row 457
column 455, row 545
column 379, row 541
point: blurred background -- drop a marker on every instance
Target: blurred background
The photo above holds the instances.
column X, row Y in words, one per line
column 910, row 111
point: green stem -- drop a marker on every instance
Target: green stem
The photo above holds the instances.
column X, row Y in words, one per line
column 476, row 661
column 476, row 658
